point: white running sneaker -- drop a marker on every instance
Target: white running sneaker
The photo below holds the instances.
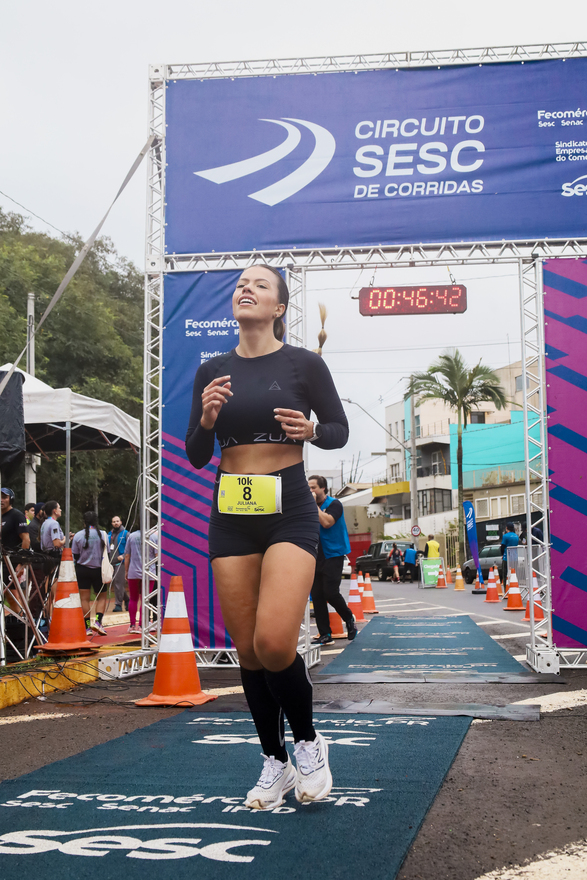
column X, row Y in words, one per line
column 313, row 778
column 274, row 783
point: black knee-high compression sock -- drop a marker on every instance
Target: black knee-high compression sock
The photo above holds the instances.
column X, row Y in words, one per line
column 266, row 711
column 292, row 688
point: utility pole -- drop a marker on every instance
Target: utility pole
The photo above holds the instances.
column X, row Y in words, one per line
column 413, row 461
column 30, row 460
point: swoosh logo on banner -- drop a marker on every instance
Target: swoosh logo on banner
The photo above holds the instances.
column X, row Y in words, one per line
column 224, row 173
column 314, row 165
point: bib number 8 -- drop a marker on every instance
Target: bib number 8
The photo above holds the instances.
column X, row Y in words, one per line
column 247, row 493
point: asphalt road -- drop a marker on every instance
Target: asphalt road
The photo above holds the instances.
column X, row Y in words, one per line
column 516, row 791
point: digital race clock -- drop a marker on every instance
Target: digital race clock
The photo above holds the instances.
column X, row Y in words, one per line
column 431, row 299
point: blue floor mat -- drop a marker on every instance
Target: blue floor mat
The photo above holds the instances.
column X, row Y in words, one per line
column 449, row 645
column 172, row 794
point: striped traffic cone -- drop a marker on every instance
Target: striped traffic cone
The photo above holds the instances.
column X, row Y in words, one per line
column 368, row 599
column 477, row 588
column 354, row 601
column 459, row 580
column 177, row 682
column 538, row 610
column 491, row 588
column 498, row 582
column 360, row 584
column 68, row 628
column 514, row 595
column 441, row 582
column 336, row 627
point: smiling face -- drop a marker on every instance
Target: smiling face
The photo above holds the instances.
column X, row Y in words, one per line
column 257, row 297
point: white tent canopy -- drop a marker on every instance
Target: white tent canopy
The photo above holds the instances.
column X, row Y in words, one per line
column 95, row 424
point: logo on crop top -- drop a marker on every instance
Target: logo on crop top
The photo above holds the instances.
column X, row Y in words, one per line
column 274, row 387
column 292, row 183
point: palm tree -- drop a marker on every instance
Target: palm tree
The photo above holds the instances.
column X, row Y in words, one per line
column 461, row 388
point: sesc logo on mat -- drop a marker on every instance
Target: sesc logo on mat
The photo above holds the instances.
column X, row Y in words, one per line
column 292, row 183
column 101, row 841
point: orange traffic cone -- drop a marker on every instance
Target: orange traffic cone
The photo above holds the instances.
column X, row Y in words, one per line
column 514, row 596
column 68, row 628
column 448, row 577
column 368, row 599
column 498, row 582
column 459, row 580
column 538, row 610
column 441, row 582
column 360, row 584
column 491, row 588
column 177, row 682
column 477, row 587
column 354, row 601
column 336, row 627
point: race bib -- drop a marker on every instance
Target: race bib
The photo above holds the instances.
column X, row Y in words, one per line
column 254, row 494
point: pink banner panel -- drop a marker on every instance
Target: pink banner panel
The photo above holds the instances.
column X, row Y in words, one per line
column 565, row 312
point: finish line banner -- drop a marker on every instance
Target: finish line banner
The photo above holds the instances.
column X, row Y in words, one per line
column 198, row 324
column 472, row 153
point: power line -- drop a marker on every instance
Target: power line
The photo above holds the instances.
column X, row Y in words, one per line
column 32, row 214
column 364, row 351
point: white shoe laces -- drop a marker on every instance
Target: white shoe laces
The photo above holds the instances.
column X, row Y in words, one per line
column 272, row 769
column 307, row 754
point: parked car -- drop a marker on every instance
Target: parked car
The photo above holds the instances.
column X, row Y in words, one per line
column 377, row 560
column 489, row 556
column 346, row 568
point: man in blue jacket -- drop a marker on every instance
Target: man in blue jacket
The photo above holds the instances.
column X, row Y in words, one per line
column 117, row 539
column 509, row 539
column 334, row 544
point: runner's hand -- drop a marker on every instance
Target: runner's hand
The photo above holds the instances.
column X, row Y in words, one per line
column 214, row 396
column 294, row 423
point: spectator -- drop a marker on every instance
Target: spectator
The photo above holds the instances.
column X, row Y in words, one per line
column 432, row 548
column 29, row 511
column 52, row 537
column 14, row 535
column 88, row 548
column 117, row 539
column 332, row 547
column 35, row 524
column 410, row 556
column 538, row 533
column 509, row 539
column 15, row 532
column 133, row 566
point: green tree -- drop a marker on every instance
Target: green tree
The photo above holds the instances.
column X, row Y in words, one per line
column 461, row 388
column 92, row 342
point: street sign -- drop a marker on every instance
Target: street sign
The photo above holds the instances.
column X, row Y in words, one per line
column 416, row 531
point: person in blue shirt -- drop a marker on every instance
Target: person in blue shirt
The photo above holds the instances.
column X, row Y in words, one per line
column 509, row 539
column 410, row 563
column 117, row 539
column 333, row 545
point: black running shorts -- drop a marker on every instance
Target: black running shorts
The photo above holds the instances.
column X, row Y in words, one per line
column 244, row 534
column 88, row 577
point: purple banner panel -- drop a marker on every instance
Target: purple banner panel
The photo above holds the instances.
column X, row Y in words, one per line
column 565, row 311
column 198, row 324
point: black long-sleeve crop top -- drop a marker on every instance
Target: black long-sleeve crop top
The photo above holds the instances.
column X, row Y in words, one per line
column 290, row 378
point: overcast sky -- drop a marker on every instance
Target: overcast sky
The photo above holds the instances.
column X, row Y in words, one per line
column 74, row 110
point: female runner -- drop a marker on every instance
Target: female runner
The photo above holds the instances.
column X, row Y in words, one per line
column 257, row 401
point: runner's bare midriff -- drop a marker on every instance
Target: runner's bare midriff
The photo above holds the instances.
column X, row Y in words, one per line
column 262, row 459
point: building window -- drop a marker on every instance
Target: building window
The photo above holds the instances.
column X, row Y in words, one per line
column 499, row 506
column 397, row 429
column 482, row 508
column 394, row 472
column 437, row 461
column 477, row 418
column 417, row 420
column 518, row 503
column 403, row 429
column 520, row 383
